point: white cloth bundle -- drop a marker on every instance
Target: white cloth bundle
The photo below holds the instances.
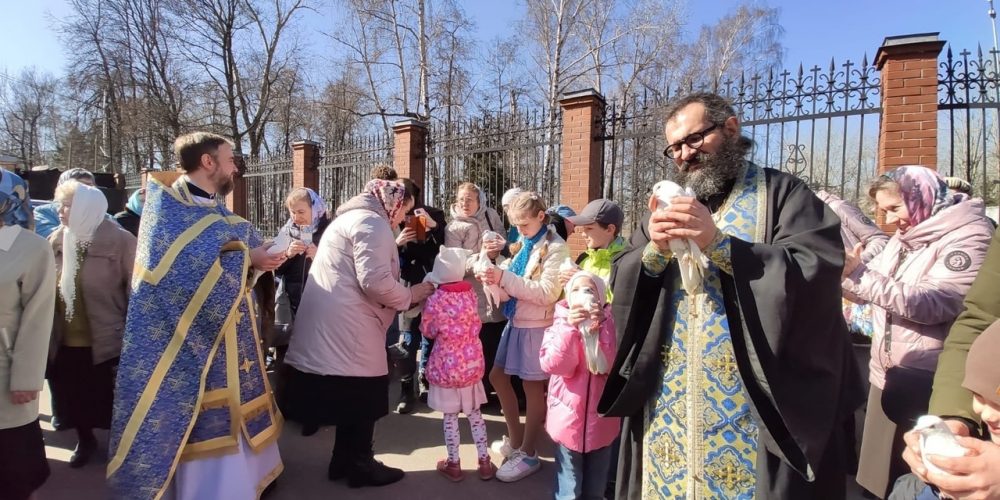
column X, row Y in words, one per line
column 693, row 264
column 492, row 292
column 590, row 331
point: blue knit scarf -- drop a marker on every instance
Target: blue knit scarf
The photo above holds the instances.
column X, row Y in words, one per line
column 519, row 263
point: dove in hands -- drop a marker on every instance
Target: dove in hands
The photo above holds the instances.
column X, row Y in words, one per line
column 692, row 262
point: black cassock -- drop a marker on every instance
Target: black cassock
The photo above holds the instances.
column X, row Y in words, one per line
column 795, row 358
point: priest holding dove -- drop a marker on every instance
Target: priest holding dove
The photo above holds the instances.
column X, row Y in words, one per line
column 739, row 385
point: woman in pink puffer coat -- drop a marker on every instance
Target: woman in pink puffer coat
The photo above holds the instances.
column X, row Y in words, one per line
column 583, row 437
column 916, row 285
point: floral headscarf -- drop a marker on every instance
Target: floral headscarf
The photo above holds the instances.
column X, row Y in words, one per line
column 390, row 194
column 923, row 190
column 13, row 193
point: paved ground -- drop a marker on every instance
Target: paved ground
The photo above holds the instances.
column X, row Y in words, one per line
column 413, row 442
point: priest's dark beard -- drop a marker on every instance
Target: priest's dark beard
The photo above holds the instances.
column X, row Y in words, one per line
column 224, row 188
column 716, row 171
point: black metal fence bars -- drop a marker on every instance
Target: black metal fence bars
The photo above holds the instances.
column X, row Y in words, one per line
column 969, row 120
column 496, row 153
column 268, row 181
column 345, row 167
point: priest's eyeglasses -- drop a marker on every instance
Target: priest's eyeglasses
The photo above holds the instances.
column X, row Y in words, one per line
column 693, row 141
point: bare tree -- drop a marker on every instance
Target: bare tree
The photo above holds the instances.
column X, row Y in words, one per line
column 27, row 102
column 505, row 76
column 241, row 46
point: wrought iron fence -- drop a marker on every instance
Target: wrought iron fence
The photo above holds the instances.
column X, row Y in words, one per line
column 969, row 120
column 133, row 181
column 496, row 153
column 345, row 167
column 268, row 181
column 820, row 125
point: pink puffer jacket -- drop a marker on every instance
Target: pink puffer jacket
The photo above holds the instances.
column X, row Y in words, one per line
column 918, row 283
column 451, row 320
column 572, row 419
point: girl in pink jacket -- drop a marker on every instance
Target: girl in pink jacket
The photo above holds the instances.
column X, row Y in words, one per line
column 577, row 352
column 456, row 365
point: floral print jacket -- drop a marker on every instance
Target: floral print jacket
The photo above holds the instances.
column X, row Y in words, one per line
column 450, row 318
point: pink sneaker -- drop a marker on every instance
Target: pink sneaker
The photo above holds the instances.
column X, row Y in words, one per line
column 487, row 470
column 451, row 470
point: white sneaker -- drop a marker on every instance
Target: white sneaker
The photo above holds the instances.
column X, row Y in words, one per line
column 503, row 448
column 518, row 467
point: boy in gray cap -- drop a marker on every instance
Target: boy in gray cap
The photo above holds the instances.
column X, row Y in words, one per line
column 600, row 224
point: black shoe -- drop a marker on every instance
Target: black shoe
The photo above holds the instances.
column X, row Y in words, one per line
column 309, row 429
column 81, row 454
column 373, row 473
column 338, row 469
column 407, row 403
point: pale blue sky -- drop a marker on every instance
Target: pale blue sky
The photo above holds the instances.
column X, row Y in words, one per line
column 814, row 31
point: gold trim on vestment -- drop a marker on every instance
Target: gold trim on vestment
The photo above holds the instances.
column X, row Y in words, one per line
column 270, row 434
column 216, row 398
column 163, row 365
column 269, row 478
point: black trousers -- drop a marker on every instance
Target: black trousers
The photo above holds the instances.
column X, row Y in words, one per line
column 353, row 445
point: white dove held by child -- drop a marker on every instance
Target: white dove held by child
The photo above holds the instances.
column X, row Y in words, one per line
column 690, row 260
column 492, row 292
column 597, row 363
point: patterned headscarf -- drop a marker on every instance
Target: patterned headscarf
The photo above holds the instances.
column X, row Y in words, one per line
column 390, row 194
column 924, row 192
column 13, row 193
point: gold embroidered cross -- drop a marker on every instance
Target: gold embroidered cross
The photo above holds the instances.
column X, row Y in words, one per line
column 246, row 365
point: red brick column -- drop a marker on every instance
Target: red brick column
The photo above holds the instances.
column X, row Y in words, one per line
column 237, row 200
column 409, row 150
column 582, row 161
column 908, row 133
column 305, row 163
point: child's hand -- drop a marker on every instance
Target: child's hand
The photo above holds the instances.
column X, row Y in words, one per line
column 976, row 475
column 565, row 276
column 912, row 454
column 577, row 315
column 490, row 276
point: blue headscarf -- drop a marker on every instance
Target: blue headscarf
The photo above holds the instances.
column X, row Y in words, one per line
column 519, row 264
column 13, row 193
column 135, row 202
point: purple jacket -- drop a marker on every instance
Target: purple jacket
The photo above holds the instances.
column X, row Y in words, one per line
column 574, row 392
column 451, row 320
column 856, row 227
column 918, row 283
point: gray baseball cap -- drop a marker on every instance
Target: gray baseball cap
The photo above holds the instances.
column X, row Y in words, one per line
column 602, row 211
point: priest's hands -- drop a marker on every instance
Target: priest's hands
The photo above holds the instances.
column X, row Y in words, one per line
column 263, row 261
column 686, row 218
column 23, row 397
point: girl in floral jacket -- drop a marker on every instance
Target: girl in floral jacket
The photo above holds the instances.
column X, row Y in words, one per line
column 456, row 365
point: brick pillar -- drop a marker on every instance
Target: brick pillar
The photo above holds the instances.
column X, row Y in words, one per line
column 237, row 200
column 305, row 164
column 582, row 162
column 908, row 132
column 409, row 150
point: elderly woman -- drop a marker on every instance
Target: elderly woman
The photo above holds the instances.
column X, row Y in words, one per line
column 94, row 259
column 307, row 220
column 916, row 286
column 27, row 298
column 338, row 373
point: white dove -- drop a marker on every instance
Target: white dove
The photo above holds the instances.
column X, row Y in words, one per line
column 936, row 439
column 597, row 363
column 492, row 292
column 691, row 261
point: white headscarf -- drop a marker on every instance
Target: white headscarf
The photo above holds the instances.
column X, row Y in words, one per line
column 87, row 212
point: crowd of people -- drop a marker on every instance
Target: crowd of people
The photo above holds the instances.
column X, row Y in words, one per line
column 739, row 384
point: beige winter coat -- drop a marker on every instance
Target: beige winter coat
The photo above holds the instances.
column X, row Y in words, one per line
column 538, row 291
column 107, row 278
column 27, row 299
column 351, row 295
column 467, row 233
